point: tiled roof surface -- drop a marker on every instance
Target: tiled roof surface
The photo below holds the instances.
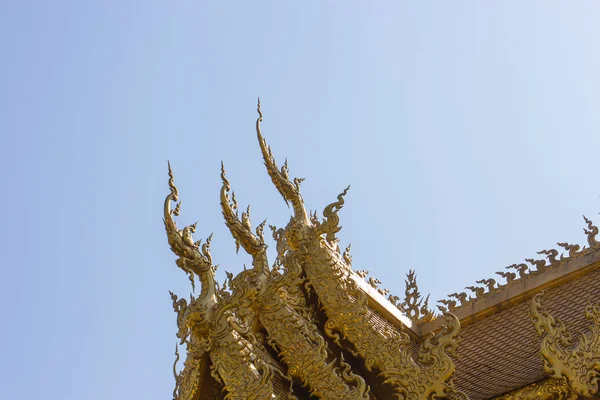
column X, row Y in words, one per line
column 500, row 352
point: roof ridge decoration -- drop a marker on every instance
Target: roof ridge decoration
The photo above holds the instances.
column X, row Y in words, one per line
column 414, row 306
column 577, row 363
column 523, row 271
column 230, row 327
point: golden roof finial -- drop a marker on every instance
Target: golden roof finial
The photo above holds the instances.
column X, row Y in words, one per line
column 290, row 191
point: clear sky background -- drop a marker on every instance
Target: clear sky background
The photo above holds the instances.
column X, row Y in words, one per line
column 469, row 131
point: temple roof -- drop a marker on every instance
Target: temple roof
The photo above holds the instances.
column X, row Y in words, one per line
column 309, row 325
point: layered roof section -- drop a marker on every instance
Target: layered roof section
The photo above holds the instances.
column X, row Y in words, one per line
column 308, row 325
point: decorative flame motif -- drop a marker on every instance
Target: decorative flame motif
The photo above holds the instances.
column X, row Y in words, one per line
column 524, row 272
column 413, row 305
column 234, row 325
column 578, row 363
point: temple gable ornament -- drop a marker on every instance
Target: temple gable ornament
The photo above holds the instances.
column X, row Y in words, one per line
column 308, row 325
column 301, row 325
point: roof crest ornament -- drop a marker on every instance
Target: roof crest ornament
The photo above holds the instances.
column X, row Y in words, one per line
column 288, row 190
column 522, row 271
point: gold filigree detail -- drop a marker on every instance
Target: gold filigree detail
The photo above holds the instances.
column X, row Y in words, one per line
column 578, row 363
column 414, row 306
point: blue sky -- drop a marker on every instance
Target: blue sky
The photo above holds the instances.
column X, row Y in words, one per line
column 469, row 132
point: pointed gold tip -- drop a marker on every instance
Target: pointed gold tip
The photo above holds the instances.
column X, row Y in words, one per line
column 260, row 116
column 224, row 178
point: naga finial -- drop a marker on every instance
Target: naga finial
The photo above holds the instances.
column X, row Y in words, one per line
column 191, row 259
column 241, row 229
column 290, row 191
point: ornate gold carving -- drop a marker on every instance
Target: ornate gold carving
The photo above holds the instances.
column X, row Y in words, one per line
column 547, row 389
column 414, row 306
column 524, row 272
column 578, row 363
column 231, row 326
column 314, row 247
column 210, row 327
column 282, row 311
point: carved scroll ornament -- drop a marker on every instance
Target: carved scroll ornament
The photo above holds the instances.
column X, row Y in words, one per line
column 576, row 362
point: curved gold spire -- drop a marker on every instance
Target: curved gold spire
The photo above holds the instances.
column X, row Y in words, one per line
column 192, row 261
column 288, row 190
column 241, row 230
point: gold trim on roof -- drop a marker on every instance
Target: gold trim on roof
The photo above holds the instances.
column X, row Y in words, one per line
column 523, row 271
